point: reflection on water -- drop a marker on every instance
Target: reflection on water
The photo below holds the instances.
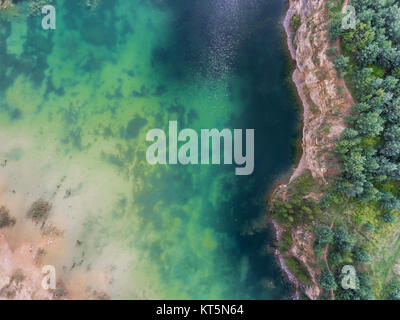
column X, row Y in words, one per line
column 75, row 107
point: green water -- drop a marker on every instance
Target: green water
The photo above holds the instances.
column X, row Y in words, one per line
column 77, row 102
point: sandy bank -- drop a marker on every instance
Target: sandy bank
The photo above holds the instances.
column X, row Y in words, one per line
column 324, row 109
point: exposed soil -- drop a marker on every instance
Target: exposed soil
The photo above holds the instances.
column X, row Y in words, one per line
column 324, row 109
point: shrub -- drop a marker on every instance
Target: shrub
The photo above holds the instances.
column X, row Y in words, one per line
column 388, row 217
column 324, row 234
column 361, row 255
column 5, row 219
column 327, row 280
column 295, row 23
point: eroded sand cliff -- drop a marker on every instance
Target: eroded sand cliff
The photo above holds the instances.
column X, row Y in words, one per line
column 325, row 100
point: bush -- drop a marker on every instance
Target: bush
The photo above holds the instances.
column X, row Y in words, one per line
column 388, row 217
column 327, row 280
column 361, row 255
column 342, row 239
column 394, row 290
column 335, row 258
column 331, row 51
column 286, row 241
column 295, row 23
column 368, row 227
column 324, row 234
column 298, row 271
column 341, row 63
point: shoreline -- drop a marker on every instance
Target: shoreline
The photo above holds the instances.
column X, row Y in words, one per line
column 317, row 84
column 298, row 162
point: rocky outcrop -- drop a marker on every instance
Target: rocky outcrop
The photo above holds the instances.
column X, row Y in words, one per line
column 326, row 101
column 324, row 97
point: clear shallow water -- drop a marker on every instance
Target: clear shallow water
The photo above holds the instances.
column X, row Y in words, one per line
column 76, row 104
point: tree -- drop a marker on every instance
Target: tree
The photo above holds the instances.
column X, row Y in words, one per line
column 341, row 63
column 368, row 227
column 391, row 149
column 386, row 167
column 324, row 234
column 388, row 56
column 354, row 164
column 365, row 284
column 335, row 257
column 370, row 124
column 389, row 202
column 331, row 51
column 388, row 217
column 359, row 37
column 295, row 23
column 392, row 132
column 342, row 239
column 394, row 294
column 394, row 290
column 350, row 188
column 327, row 280
column 368, row 55
column 396, row 72
column 335, row 28
column 361, row 82
column 361, row 255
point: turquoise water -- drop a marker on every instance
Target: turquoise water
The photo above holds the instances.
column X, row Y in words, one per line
column 77, row 102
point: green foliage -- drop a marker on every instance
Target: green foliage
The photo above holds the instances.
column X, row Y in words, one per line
column 361, row 255
column 396, row 72
column 365, row 213
column 318, row 250
column 298, row 271
column 394, row 290
column 324, row 234
column 297, row 208
column 369, row 149
column 327, row 280
column 358, row 38
column 341, row 63
column 285, row 242
column 368, row 227
column 35, row 6
column 388, row 217
column 369, row 124
column 331, row 199
column 377, row 71
column 331, row 51
column 363, row 290
column 335, row 27
column 342, row 239
column 389, row 202
column 335, row 258
column 295, row 23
